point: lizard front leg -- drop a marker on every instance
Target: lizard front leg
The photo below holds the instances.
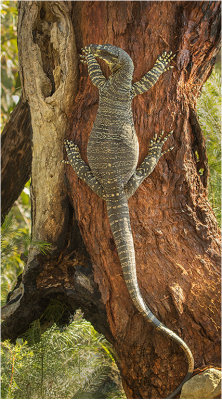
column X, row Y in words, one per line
column 148, row 164
column 152, row 76
column 95, row 72
column 81, row 168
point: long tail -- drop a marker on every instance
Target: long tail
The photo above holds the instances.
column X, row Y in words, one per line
column 118, row 213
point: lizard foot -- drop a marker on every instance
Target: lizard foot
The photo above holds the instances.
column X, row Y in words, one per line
column 86, row 51
column 72, row 150
column 156, row 144
column 163, row 60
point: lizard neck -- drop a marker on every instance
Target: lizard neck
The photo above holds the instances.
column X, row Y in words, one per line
column 115, row 99
column 122, row 78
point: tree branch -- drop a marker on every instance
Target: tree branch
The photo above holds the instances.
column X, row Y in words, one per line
column 16, row 155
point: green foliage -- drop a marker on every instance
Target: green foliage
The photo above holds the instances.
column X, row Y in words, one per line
column 209, row 113
column 10, row 81
column 61, row 365
column 12, row 358
column 15, row 242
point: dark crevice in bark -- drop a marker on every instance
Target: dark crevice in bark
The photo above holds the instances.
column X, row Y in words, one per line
column 71, row 283
column 77, row 20
column 41, row 37
column 199, row 146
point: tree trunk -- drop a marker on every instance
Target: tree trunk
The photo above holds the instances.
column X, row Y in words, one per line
column 175, row 232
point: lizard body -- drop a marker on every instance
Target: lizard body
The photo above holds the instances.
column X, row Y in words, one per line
column 113, row 152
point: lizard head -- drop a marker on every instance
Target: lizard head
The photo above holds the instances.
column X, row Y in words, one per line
column 112, row 55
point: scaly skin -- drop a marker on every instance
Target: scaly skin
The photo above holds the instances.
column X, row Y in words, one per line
column 113, row 155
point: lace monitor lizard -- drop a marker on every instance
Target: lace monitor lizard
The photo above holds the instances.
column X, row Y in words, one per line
column 113, row 155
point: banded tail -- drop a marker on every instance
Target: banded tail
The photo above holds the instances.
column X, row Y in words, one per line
column 118, row 213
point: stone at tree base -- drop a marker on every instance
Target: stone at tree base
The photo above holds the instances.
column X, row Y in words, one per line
column 206, row 385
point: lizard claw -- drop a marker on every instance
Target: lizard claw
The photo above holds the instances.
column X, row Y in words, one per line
column 166, row 151
column 166, row 137
column 160, row 137
column 155, row 137
column 83, row 59
column 85, row 52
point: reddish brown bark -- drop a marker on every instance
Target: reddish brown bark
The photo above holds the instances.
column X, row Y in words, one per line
column 175, row 231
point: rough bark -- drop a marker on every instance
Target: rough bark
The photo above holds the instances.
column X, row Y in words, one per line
column 16, row 154
column 175, row 232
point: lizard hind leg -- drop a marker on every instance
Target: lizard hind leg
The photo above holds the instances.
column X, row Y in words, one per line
column 148, row 164
column 81, row 168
